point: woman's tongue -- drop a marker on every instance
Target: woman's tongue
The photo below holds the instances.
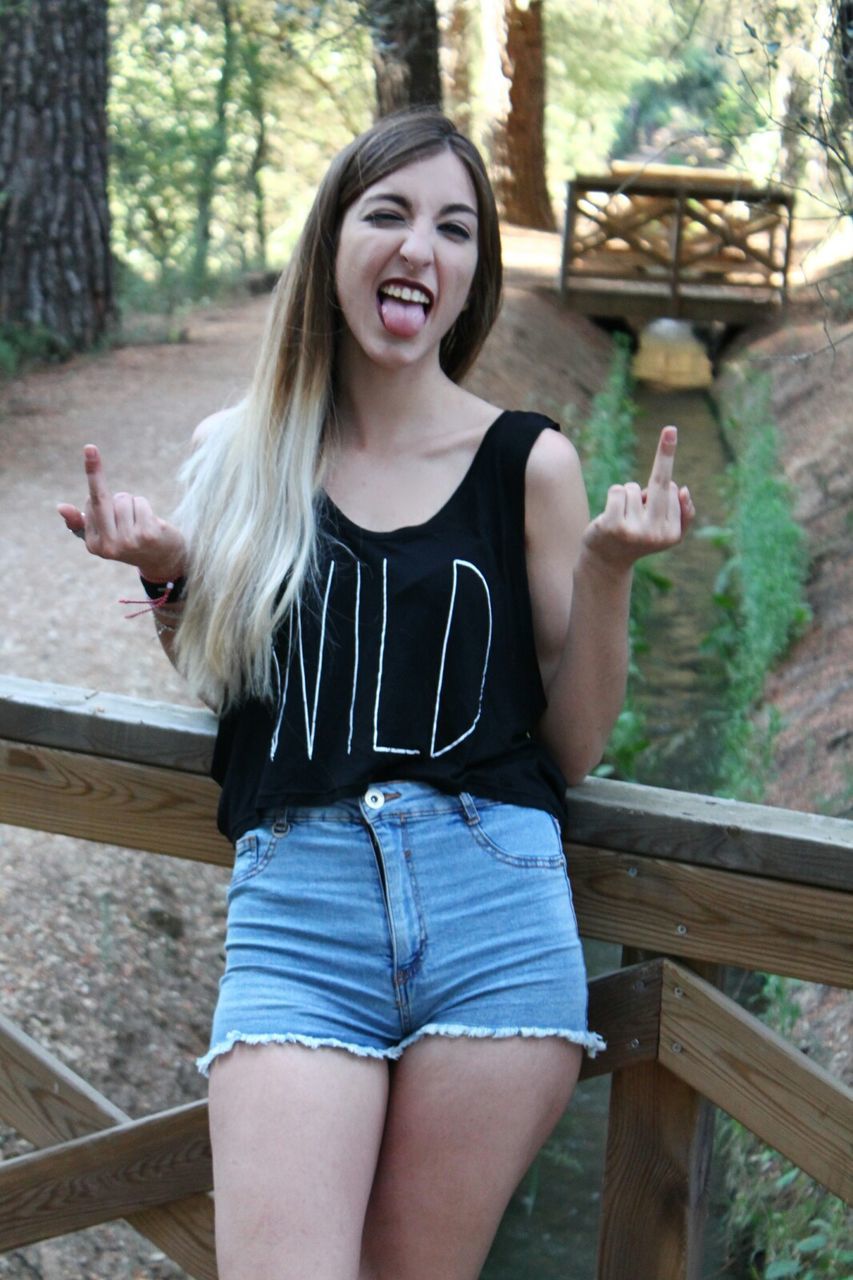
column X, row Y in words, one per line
column 402, row 319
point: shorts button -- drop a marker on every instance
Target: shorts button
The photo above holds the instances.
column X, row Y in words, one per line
column 373, row 798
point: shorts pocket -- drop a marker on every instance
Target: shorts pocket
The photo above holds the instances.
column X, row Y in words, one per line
column 253, row 852
column 516, row 835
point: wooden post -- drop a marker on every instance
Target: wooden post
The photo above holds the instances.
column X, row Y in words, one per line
column 675, row 280
column 568, row 236
column 789, row 238
column 656, row 1175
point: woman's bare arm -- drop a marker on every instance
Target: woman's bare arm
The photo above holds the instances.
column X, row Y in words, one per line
column 580, row 576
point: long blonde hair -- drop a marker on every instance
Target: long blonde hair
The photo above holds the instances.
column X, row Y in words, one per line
column 249, row 510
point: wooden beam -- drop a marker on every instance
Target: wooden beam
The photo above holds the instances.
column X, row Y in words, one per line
column 94, row 798
column 650, row 184
column 130, row 1167
column 719, row 916
column 624, row 1008
column 655, row 1186
column 46, row 1102
column 567, row 248
column 774, row 1090
column 776, row 843
column 106, row 724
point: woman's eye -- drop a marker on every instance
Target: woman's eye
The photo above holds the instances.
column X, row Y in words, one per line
column 456, row 230
column 383, row 215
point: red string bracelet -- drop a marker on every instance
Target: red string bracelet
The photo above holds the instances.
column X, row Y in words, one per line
column 156, row 595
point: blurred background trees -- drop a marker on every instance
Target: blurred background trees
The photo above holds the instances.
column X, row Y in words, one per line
column 222, row 115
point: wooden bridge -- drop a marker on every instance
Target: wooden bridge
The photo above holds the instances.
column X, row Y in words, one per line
column 696, row 881
column 658, row 240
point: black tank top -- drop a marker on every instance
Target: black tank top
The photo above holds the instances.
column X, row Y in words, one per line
column 411, row 656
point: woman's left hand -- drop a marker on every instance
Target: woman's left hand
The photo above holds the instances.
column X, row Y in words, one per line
column 636, row 522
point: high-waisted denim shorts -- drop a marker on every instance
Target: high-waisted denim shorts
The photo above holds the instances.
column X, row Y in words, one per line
column 366, row 924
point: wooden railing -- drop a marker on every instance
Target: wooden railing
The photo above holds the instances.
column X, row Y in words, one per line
column 664, row 241
column 698, row 881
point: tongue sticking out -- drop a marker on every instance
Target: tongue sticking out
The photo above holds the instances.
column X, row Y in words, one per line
column 402, row 319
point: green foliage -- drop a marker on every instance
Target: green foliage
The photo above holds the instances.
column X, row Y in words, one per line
column 20, row 344
column 222, row 120
column 778, row 1221
column 760, row 590
column 607, row 441
column 697, row 98
column 607, row 444
column 596, row 54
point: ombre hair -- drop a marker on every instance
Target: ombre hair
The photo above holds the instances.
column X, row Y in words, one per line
column 249, row 510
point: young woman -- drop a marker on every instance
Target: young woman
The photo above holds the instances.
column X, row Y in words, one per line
column 392, row 592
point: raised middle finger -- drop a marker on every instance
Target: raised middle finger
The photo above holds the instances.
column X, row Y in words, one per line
column 100, row 504
column 661, row 476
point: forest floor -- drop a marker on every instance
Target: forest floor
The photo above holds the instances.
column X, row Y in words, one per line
column 110, row 959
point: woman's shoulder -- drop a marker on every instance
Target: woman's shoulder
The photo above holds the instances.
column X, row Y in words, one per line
column 553, row 463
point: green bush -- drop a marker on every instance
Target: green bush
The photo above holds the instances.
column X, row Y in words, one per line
column 21, row 343
column 760, row 590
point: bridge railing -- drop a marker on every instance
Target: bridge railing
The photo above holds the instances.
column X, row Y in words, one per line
column 685, row 883
column 677, row 242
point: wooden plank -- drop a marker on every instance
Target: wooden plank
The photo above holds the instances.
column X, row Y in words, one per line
column 656, row 1175
column 694, row 176
column 713, row 915
column 624, row 1008
column 134, row 805
column 754, row 1074
column 650, row 184
column 568, row 235
column 133, row 1166
column 655, row 1181
column 777, row 843
column 106, row 724
column 636, row 302
column 46, row 1102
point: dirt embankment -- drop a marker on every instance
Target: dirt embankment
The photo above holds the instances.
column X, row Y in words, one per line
column 110, row 959
column 810, row 361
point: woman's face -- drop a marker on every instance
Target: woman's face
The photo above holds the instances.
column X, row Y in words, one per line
column 407, row 253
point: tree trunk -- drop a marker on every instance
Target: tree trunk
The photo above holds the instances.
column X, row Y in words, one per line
column 55, row 265
column 405, row 53
column 518, row 134
column 215, row 150
column 256, row 102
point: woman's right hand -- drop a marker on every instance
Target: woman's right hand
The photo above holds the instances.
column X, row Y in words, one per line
column 118, row 526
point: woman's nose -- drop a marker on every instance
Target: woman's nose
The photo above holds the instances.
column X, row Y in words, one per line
column 416, row 250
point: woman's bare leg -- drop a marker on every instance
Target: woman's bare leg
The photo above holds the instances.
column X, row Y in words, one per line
column 465, row 1119
column 295, row 1134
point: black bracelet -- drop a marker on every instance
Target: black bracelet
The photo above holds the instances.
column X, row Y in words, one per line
column 164, row 592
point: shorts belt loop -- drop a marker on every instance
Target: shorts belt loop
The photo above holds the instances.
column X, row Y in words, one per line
column 469, row 808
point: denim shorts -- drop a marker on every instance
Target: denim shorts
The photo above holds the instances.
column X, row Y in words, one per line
column 369, row 923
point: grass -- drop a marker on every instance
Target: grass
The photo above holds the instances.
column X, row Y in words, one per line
column 760, row 591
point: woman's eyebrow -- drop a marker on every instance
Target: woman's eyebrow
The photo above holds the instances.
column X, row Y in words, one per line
column 391, row 197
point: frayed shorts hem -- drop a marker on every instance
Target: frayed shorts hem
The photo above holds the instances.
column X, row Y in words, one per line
column 588, row 1040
